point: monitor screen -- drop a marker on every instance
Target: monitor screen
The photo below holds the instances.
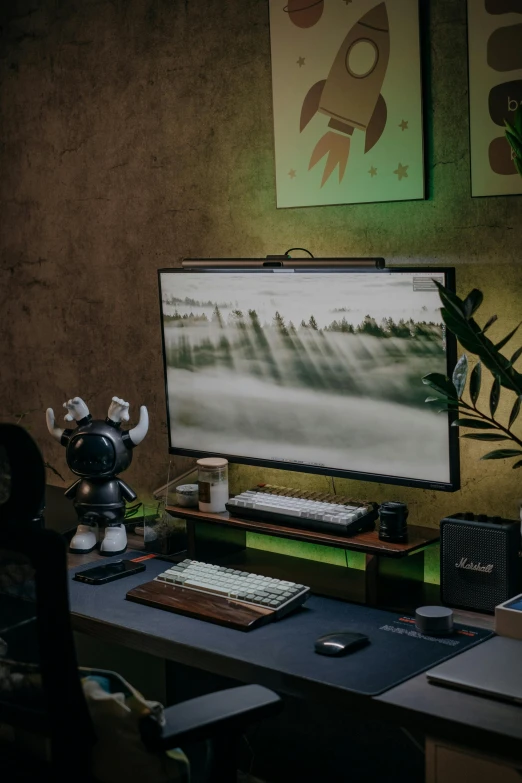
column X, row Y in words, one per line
column 315, row 369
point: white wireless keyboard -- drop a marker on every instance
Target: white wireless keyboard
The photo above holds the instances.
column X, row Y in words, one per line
column 276, row 594
column 341, row 518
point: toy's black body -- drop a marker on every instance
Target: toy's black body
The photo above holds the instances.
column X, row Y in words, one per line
column 96, row 451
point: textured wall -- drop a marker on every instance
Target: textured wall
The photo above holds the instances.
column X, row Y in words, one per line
column 136, row 132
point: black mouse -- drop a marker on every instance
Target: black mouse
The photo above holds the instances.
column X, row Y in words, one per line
column 340, row 643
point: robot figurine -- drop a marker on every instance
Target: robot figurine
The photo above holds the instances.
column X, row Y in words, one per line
column 96, row 451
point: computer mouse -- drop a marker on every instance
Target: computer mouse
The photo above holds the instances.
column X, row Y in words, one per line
column 340, row 643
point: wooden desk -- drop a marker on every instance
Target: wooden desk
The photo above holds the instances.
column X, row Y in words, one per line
column 468, row 720
column 456, row 717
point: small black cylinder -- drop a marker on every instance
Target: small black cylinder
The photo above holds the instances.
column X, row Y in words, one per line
column 393, row 516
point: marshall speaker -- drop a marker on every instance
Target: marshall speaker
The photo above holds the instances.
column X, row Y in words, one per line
column 479, row 563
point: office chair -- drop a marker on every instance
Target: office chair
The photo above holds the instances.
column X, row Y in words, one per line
column 40, row 686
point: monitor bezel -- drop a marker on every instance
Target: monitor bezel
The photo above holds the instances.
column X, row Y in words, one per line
column 322, row 265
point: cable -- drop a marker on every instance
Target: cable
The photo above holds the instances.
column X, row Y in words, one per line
column 132, row 510
column 299, row 248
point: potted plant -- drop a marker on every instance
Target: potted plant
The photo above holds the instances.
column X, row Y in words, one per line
column 458, row 315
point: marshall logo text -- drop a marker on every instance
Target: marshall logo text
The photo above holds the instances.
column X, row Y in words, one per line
column 485, row 569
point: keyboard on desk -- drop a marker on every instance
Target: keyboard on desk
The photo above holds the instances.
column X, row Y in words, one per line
column 222, row 595
column 324, row 512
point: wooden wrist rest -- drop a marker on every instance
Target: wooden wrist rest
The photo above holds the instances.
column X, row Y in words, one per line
column 203, row 606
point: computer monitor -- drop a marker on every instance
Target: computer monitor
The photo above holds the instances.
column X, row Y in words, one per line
column 309, row 366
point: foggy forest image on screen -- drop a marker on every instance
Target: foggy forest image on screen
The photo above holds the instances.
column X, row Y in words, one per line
column 320, row 369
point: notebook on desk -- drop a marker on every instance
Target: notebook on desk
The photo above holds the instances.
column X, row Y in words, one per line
column 491, row 669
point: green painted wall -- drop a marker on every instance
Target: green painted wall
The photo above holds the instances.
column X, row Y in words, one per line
column 137, row 132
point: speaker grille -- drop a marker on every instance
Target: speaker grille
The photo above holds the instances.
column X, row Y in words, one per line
column 477, row 545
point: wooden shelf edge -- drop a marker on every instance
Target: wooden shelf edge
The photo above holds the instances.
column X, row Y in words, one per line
column 419, row 537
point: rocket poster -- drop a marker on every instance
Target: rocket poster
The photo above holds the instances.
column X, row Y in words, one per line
column 346, row 80
column 495, row 92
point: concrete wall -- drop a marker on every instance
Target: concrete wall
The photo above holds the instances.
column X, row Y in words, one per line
column 136, row 132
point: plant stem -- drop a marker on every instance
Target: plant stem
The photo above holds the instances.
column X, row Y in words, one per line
column 491, row 420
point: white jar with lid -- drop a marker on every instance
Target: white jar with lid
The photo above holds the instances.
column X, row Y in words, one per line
column 213, row 484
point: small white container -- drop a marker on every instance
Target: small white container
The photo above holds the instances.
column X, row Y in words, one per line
column 187, row 495
column 213, row 484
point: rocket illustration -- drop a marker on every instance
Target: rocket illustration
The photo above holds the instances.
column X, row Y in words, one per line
column 351, row 94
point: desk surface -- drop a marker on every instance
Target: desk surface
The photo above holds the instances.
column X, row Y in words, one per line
column 459, row 717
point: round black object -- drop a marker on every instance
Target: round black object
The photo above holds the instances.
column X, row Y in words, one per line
column 434, row 620
column 393, row 516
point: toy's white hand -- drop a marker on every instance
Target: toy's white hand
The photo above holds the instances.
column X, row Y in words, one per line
column 77, row 409
column 137, row 433
column 55, row 431
column 118, row 410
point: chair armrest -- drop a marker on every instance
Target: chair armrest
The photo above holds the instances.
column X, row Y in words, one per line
column 224, row 712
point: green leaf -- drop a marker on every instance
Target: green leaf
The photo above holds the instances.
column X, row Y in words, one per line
column 517, row 464
column 462, row 331
column 515, row 356
column 502, row 454
column 474, row 341
column 515, row 410
column 434, row 399
column 474, row 383
column 472, row 302
column 518, row 165
column 441, row 384
column 451, row 300
column 507, row 338
column 518, row 120
column 489, row 323
column 485, row 436
column 510, row 128
column 515, row 143
column 494, row 396
column 460, row 375
column 477, row 424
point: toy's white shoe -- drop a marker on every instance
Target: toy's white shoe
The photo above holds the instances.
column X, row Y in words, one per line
column 115, row 541
column 84, row 540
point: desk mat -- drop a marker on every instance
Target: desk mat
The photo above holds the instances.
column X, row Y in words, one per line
column 397, row 651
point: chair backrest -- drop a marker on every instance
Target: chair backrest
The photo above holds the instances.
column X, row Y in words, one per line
column 40, row 689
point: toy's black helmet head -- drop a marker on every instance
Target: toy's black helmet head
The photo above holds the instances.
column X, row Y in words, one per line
column 97, row 450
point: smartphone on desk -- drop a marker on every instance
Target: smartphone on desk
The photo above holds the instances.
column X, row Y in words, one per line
column 108, row 572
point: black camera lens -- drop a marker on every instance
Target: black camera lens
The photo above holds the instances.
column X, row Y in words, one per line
column 393, row 516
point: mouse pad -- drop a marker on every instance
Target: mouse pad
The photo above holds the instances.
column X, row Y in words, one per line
column 397, row 651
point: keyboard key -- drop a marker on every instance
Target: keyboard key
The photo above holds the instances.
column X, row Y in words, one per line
column 207, row 587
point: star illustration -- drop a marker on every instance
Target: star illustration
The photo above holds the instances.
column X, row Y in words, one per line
column 373, row 172
column 301, row 62
column 403, row 125
column 401, row 171
column 292, row 173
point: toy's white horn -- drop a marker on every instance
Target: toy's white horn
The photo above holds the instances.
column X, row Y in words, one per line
column 55, row 431
column 137, row 433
